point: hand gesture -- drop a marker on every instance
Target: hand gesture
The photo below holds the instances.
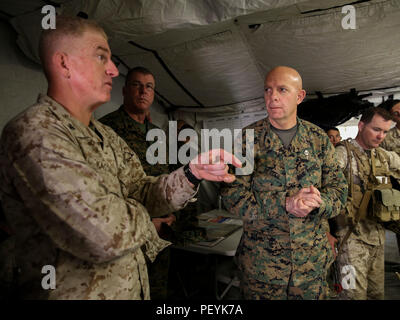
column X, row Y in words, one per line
column 211, row 165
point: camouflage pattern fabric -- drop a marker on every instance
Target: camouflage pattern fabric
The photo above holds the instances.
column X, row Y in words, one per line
column 277, row 247
column 78, row 199
column 367, row 230
column 133, row 134
column 365, row 245
column 368, row 263
column 253, row 289
column 387, row 163
column 392, row 141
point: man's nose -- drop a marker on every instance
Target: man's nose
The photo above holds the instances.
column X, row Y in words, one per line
column 112, row 70
column 274, row 95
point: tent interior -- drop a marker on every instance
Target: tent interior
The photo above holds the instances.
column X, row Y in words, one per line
column 210, row 58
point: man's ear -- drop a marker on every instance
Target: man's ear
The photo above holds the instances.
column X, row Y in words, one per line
column 61, row 63
column 361, row 125
column 300, row 96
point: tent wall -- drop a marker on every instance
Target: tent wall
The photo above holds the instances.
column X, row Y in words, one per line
column 22, row 80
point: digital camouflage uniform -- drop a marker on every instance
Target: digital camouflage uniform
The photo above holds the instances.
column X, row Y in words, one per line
column 134, row 134
column 364, row 249
column 280, row 255
column 392, row 143
column 77, row 198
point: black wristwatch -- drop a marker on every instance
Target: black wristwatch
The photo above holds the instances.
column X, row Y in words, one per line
column 190, row 176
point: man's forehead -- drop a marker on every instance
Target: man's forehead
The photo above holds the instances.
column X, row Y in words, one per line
column 137, row 76
column 378, row 120
column 282, row 78
column 95, row 40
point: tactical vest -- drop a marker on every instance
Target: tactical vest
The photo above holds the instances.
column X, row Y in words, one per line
column 373, row 198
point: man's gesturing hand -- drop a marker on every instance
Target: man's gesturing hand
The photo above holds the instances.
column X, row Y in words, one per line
column 303, row 202
column 211, row 165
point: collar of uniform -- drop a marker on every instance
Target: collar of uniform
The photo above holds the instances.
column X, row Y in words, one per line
column 270, row 138
column 129, row 122
column 357, row 145
column 298, row 143
column 74, row 125
column 301, row 139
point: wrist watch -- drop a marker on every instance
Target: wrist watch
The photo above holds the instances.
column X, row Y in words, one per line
column 190, row 176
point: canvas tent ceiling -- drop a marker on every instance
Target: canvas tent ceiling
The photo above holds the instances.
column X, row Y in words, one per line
column 212, row 54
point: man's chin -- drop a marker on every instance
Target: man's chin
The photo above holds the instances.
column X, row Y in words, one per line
column 275, row 113
column 103, row 100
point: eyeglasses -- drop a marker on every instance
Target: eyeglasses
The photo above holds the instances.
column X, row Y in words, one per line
column 138, row 85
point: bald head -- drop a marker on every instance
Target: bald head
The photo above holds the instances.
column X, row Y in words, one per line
column 283, row 92
column 289, row 73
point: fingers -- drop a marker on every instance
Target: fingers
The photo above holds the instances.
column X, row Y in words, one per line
column 212, row 165
column 303, row 208
column 217, row 156
column 311, row 198
column 310, row 190
column 315, row 190
column 228, row 178
column 157, row 225
column 304, row 201
column 228, row 157
column 310, row 195
column 170, row 219
column 298, row 208
column 311, row 203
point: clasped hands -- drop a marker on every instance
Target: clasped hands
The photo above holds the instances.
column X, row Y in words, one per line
column 304, row 201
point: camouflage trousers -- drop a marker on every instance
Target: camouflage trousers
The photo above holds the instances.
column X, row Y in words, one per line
column 253, row 289
column 367, row 279
column 158, row 275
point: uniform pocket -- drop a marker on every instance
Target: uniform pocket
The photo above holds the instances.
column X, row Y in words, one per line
column 269, row 175
column 308, row 168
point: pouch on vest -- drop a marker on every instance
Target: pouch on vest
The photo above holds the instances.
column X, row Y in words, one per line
column 386, row 204
column 385, row 199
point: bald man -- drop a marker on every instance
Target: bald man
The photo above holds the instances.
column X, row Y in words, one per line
column 73, row 192
column 295, row 187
